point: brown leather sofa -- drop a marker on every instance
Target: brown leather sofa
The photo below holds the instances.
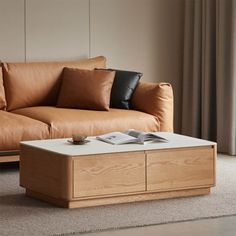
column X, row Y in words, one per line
column 28, row 95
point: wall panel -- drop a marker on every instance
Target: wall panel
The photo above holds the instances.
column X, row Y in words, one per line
column 12, row 47
column 126, row 32
column 57, row 29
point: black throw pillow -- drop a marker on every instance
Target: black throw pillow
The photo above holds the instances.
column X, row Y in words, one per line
column 123, row 88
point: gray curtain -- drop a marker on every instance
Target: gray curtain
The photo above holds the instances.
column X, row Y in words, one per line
column 209, row 72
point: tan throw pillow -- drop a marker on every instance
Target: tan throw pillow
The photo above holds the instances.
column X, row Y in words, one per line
column 86, row 89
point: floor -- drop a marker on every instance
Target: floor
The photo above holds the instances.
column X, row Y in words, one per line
column 223, row 226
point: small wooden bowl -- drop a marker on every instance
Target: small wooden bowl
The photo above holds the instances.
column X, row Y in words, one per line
column 78, row 139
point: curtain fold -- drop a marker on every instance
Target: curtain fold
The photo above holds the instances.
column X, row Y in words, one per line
column 209, row 75
column 226, row 77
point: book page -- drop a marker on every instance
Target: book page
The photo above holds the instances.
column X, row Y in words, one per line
column 145, row 136
column 134, row 133
column 117, row 138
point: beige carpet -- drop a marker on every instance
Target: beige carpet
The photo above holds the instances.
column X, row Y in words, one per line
column 20, row 215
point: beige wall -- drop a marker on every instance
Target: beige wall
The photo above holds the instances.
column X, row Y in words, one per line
column 57, row 29
column 12, row 35
column 141, row 35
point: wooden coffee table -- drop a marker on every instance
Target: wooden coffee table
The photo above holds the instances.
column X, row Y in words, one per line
column 99, row 173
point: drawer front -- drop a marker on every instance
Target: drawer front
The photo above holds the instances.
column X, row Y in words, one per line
column 109, row 174
column 180, row 168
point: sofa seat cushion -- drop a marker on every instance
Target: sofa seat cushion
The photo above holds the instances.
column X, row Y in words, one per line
column 15, row 128
column 65, row 122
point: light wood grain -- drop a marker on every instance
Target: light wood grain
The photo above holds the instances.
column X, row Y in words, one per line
column 138, row 197
column 9, row 158
column 214, row 162
column 91, row 180
column 46, row 198
column 46, row 172
column 180, row 168
column 76, row 203
column 109, row 174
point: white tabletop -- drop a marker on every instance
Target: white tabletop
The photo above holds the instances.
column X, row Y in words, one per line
column 63, row 147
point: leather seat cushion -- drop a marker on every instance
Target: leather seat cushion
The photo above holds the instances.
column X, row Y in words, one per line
column 65, row 122
column 15, row 128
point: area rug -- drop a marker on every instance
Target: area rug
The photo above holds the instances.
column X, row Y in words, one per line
column 20, row 215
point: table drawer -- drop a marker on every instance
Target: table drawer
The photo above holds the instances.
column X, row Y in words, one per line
column 108, row 174
column 180, row 168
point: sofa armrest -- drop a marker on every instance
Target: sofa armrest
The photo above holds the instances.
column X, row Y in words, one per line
column 3, row 102
column 157, row 100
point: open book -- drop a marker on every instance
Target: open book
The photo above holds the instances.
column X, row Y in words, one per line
column 131, row 136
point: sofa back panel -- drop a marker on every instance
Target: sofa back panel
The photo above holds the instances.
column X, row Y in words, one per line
column 2, row 92
column 38, row 83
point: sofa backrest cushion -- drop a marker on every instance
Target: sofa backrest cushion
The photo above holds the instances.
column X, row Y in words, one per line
column 2, row 91
column 38, row 83
column 85, row 89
